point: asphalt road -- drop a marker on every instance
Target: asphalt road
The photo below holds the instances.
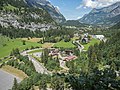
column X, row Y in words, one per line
column 38, row 66
column 6, row 80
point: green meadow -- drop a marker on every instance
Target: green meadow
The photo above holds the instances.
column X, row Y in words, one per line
column 35, row 51
column 15, row 43
column 7, row 44
column 92, row 42
column 9, row 7
column 64, row 44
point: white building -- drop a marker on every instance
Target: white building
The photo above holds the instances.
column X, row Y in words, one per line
column 100, row 37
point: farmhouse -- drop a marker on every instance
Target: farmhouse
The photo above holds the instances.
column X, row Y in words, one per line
column 85, row 40
column 86, row 35
column 69, row 58
column 69, row 52
column 54, row 52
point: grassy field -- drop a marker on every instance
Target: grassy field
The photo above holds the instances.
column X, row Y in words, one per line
column 3, row 40
column 15, row 43
column 47, row 45
column 32, row 39
column 92, row 42
column 64, row 44
column 35, row 51
column 9, row 7
column 74, row 38
column 5, row 60
column 14, row 71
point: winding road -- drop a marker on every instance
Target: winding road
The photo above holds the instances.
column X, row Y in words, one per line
column 38, row 66
column 80, row 47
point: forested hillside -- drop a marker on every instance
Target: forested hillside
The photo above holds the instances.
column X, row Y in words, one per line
column 74, row 23
column 102, row 70
column 20, row 33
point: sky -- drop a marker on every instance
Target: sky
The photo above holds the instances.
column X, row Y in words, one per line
column 75, row 9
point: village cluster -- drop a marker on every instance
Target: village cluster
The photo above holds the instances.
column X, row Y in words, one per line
column 85, row 38
column 68, row 55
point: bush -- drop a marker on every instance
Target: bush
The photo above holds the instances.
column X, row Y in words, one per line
column 4, row 45
column 32, row 47
column 24, row 42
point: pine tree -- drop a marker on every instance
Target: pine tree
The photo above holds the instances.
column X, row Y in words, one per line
column 57, row 83
column 24, row 42
column 42, row 57
column 32, row 88
column 90, row 51
column 43, row 85
column 15, row 85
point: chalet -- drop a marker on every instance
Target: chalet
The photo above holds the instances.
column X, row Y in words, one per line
column 86, row 35
column 69, row 52
column 85, row 40
column 54, row 52
column 69, row 58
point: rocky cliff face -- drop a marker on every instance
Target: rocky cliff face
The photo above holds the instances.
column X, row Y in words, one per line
column 52, row 10
column 17, row 14
column 105, row 16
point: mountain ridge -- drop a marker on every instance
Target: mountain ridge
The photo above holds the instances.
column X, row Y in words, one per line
column 52, row 10
column 103, row 16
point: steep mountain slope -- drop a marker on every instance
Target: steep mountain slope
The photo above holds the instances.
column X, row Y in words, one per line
column 18, row 14
column 116, row 26
column 105, row 16
column 53, row 11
